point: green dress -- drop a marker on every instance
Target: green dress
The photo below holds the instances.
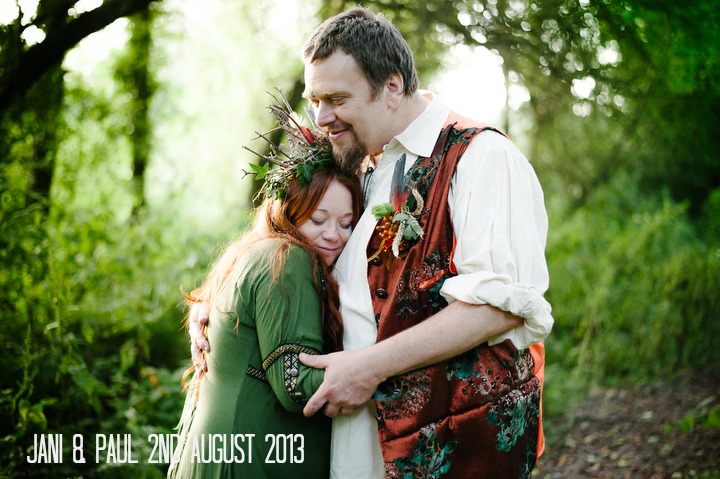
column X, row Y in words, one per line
column 247, row 421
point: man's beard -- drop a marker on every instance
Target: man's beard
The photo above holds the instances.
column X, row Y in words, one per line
column 350, row 158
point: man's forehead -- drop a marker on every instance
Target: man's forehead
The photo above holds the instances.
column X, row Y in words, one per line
column 338, row 74
column 320, row 86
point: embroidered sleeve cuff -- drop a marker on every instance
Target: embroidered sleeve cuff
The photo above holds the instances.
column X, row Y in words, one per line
column 292, row 381
column 522, row 300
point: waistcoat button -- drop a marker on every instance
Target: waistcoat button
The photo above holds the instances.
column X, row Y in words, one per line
column 381, row 293
column 377, row 261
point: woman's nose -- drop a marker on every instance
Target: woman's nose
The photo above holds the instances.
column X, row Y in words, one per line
column 331, row 233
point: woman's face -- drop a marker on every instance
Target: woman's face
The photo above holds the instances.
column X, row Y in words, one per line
column 330, row 224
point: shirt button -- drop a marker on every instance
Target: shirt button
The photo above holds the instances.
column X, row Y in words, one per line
column 377, row 261
column 381, row 293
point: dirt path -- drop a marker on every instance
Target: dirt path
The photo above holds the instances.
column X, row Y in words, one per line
column 620, row 433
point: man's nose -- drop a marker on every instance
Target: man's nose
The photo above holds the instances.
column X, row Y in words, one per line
column 324, row 115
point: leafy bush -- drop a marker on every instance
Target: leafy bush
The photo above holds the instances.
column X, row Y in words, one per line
column 91, row 311
column 634, row 292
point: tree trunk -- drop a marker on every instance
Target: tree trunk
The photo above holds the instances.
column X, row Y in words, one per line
column 141, row 83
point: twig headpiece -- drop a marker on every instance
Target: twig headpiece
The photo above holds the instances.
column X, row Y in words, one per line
column 306, row 151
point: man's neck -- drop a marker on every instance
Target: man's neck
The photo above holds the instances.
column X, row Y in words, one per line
column 410, row 108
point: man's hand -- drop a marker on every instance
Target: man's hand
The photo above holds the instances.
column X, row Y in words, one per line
column 350, row 381
column 197, row 321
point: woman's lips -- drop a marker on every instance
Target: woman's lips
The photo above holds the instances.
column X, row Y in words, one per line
column 329, row 252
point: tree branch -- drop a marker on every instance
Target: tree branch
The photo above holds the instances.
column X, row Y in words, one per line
column 40, row 58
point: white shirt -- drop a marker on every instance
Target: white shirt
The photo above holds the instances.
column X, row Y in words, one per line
column 497, row 208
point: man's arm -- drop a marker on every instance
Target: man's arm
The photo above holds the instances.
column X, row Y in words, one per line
column 499, row 219
column 351, row 377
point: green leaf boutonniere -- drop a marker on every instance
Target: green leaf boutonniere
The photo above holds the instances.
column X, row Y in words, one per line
column 398, row 219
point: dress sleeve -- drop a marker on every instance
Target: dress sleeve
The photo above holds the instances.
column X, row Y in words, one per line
column 288, row 322
column 500, row 223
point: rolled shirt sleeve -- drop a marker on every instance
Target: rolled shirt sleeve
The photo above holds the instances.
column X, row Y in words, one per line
column 500, row 223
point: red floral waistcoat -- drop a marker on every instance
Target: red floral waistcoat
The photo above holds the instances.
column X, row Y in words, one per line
column 475, row 415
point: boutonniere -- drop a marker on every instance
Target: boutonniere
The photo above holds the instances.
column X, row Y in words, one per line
column 398, row 219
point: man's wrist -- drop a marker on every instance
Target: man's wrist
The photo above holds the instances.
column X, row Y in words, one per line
column 382, row 362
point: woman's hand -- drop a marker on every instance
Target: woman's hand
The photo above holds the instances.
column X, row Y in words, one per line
column 198, row 319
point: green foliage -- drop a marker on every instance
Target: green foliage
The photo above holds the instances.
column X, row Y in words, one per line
column 705, row 415
column 653, row 107
column 99, row 346
column 634, row 284
column 634, row 287
column 93, row 296
column 89, row 315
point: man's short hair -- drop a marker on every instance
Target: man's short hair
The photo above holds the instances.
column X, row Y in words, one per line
column 376, row 45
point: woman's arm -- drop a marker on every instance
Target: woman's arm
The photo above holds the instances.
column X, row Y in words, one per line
column 288, row 322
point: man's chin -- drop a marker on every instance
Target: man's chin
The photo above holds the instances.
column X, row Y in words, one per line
column 349, row 158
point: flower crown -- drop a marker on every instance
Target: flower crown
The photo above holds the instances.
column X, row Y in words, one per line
column 306, row 151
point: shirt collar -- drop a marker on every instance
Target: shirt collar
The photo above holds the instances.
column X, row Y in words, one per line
column 421, row 135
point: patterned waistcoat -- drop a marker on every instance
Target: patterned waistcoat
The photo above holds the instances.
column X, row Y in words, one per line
column 472, row 416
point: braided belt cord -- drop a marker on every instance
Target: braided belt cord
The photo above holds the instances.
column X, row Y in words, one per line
column 256, row 373
column 283, row 349
column 291, row 363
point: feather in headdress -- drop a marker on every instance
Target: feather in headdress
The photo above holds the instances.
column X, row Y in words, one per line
column 306, row 150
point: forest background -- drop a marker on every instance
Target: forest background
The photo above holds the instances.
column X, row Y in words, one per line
column 121, row 176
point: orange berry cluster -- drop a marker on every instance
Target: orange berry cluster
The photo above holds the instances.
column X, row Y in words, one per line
column 387, row 230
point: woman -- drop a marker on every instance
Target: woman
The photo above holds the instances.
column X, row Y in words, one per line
column 271, row 296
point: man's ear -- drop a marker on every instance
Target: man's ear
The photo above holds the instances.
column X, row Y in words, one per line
column 394, row 86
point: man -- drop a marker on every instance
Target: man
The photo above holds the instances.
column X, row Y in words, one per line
column 442, row 298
